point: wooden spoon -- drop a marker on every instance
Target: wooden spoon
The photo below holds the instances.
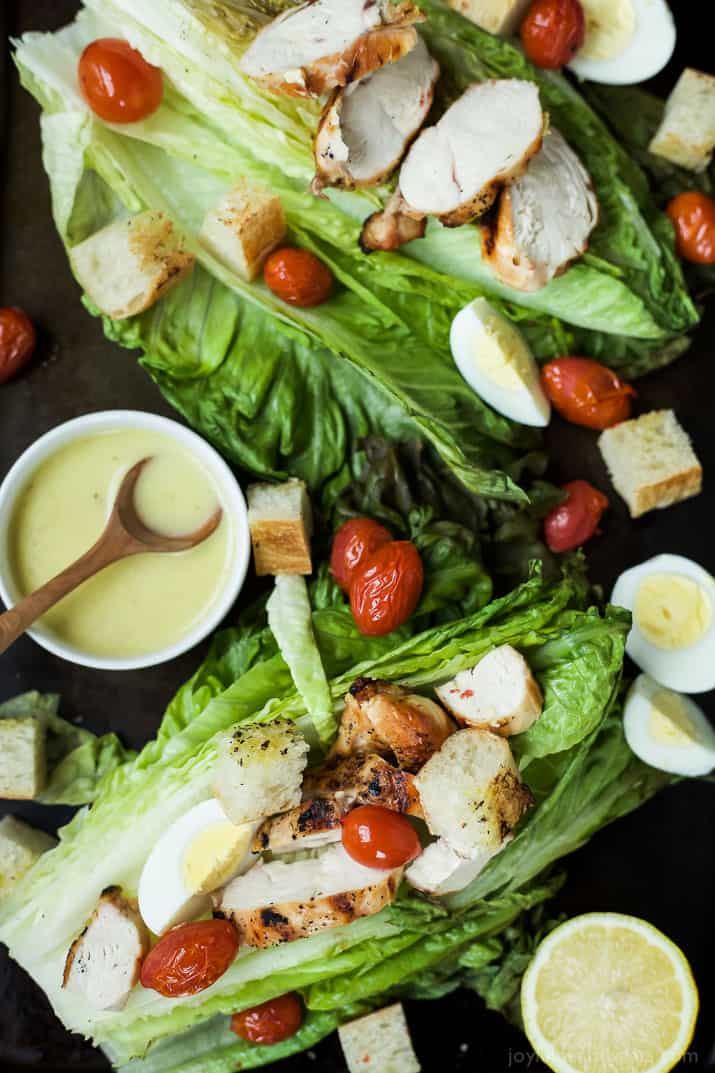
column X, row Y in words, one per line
column 125, row 534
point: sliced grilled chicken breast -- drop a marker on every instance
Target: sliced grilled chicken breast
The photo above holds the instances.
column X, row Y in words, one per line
column 471, row 792
column 455, row 169
column 314, row 823
column 499, row 694
column 543, row 220
column 366, row 127
column 364, row 780
column 104, row 962
column 279, row 902
column 391, row 228
column 384, row 718
column 319, row 45
column 440, row 870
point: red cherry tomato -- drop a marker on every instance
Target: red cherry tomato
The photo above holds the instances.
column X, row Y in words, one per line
column 694, row 218
column 298, row 277
column 586, row 392
column 117, row 82
column 18, row 340
column 271, row 1022
column 354, row 541
column 553, row 32
column 387, row 588
column 190, row 958
column 379, row 838
column 574, row 521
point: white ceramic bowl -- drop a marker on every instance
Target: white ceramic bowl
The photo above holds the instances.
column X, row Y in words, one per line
column 230, row 494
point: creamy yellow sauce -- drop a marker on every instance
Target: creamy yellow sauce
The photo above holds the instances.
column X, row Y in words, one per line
column 144, row 603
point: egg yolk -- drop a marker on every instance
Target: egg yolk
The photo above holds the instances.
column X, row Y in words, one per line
column 214, row 855
column 498, row 352
column 610, row 26
column 672, row 611
column 669, row 722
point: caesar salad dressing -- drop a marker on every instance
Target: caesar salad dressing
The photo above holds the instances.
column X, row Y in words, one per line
column 144, row 603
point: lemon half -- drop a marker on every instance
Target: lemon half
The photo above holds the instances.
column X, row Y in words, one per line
column 607, row 993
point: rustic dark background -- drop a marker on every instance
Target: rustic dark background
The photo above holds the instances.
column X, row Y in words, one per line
column 656, row 863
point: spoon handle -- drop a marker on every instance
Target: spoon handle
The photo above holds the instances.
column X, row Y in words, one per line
column 14, row 622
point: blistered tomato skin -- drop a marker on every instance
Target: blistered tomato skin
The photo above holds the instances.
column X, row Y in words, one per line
column 117, row 82
column 190, row 958
column 387, row 588
column 18, row 340
column 354, row 541
column 693, row 216
column 379, row 838
column 271, row 1022
column 298, row 277
column 574, row 521
column 552, row 32
column 587, row 393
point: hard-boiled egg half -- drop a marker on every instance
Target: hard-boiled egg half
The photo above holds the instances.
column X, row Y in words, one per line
column 197, row 854
column 626, row 41
column 667, row 730
column 673, row 635
column 494, row 359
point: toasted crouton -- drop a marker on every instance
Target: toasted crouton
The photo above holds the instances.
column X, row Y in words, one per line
column 127, row 267
column 496, row 16
column 499, row 694
column 245, row 226
column 259, row 770
column 686, row 135
column 280, row 520
column 379, row 1043
column 471, row 792
column 23, row 767
column 20, row 846
column 651, row 462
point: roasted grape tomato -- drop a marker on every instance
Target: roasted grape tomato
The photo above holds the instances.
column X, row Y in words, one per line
column 190, row 958
column 574, row 521
column 271, row 1022
column 117, row 82
column 552, row 32
column 387, row 587
column 693, row 215
column 298, row 277
column 18, row 340
column 379, row 838
column 354, row 541
column 587, row 393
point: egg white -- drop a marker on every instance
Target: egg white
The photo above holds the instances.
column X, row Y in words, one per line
column 689, row 669
column 648, row 51
column 508, row 380
column 693, row 757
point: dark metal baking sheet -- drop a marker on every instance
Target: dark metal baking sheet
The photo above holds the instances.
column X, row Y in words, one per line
column 657, row 863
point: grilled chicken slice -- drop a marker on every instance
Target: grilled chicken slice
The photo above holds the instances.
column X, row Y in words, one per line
column 314, row 823
column 391, row 228
column 499, row 694
column 364, row 780
column 440, row 870
column 104, row 962
column 472, row 794
column 279, row 902
column 366, row 127
column 386, row 719
column 319, row 45
column 543, row 220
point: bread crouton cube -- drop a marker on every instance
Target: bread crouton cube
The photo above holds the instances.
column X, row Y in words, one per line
column 379, row 1043
column 23, row 768
column 686, row 135
column 20, row 847
column 127, row 267
column 651, row 462
column 496, row 16
column 245, row 226
column 259, row 770
column 280, row 520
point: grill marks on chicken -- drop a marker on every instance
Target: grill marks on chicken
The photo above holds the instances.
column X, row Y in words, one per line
column 317, row 46
column 543, row 220
column 366, row 127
